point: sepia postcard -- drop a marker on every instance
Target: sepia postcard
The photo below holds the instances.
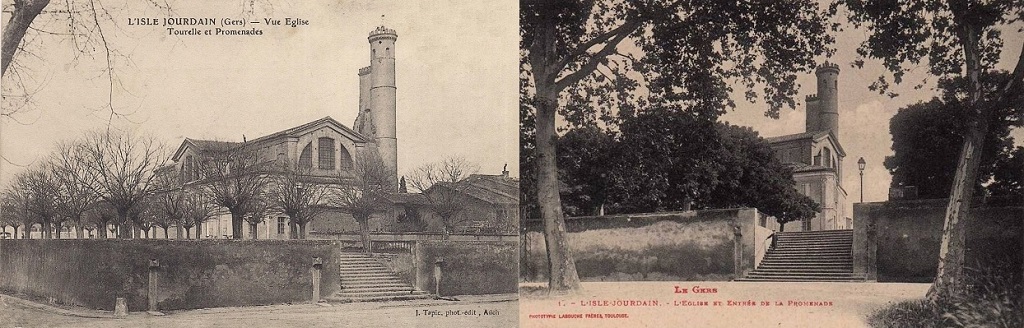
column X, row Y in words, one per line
column 267, row 163
column 771, row 164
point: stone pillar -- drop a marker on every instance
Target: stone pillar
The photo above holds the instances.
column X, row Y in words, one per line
column 154, row 267
column 437, row 276
column 318, row 264
column 120, row 308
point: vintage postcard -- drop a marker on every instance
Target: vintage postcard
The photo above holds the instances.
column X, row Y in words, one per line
column 267, row 163
column 771, row 164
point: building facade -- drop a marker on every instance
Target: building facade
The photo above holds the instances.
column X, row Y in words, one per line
column 816, row 155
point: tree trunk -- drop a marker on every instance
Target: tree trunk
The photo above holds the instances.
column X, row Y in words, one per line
column 951, row 250
column 25, row 12
column 80, row 231
column 57, row 228
column 782, row 225
column 178, row 232
column 293, row 230
column 101, row 231
column 302, row 230
column 188, row 233
column 253, row 230
column 47, row 233
column 364, row 234
column 199, row 230
column 15, row 235
column 236, row 224
column 563, row 276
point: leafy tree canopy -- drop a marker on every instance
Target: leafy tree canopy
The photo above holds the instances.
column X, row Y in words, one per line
column 662, row 160
column 928, row 136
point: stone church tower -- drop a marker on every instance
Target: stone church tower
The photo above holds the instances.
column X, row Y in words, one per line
column 816, row 156
column 377, row 102
column 823, row 108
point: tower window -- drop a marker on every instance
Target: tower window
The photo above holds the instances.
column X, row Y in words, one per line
column 306, row 158
column 326, row 153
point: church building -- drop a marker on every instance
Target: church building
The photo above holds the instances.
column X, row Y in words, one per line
column 329, row 150
column 816, row 155
column 326, row 147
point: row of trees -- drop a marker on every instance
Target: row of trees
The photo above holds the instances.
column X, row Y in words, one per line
column 119, row 180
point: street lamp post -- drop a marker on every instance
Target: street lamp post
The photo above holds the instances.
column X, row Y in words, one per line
column 860, row 165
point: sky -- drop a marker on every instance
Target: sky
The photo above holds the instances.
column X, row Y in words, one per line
column 863, row 114
column 457, row 78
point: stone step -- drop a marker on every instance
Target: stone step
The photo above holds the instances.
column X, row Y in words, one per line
column 791, row 250
column 371, row 280
column 804, row 269
column 376, row 294
column 375, row 288
column 799, row 280
column 348, row 299
column 805, row 258
column 817, row 232
column 807, row 265
column 792, row 240
column 374, row 284
column 358, row 262
column 808, row 273
column 813, row 241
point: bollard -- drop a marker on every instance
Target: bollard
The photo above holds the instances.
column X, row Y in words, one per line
column 154, row 266
column 737, row 251
column 318, row 264
column 437, row 276
column 120, row 308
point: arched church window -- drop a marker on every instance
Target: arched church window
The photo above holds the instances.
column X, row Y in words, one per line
column 306, row 157
column 325, row 153
column 346, row 159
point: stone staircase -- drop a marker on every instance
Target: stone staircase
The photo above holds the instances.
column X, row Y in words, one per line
column 808, row 256
column 364, row 279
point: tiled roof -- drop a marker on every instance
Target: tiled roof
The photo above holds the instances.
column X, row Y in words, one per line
column 494, row 189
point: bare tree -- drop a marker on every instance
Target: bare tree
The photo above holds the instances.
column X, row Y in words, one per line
column 235, row 179
column 256, row 213
column 40, row 198
column 168, row 200
column 100, row 215
column 199, row 208
column 18, row 202
column 439, row 182
column 73, row 181
column 296, row 194
column 122, row 164
column 11, row 212
column 366, row 192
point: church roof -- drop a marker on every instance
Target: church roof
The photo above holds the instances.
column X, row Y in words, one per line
column 295, row 131
column 215, row 145
column 813, row 135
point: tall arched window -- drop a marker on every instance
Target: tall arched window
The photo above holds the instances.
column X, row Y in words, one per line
column 306, row 158
column 325, row 153
column 346, row 158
